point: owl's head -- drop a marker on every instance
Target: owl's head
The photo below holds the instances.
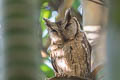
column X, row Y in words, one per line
column 63, row 30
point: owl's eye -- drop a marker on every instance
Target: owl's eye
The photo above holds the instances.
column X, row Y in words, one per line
column 67, row 25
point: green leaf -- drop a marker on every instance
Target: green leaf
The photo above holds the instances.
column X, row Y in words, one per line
column 44, row 13
column 47, row 70
column 76, row 4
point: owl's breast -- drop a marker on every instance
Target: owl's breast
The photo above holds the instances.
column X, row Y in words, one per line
column 71, row 59
column 59, row 55
column 66, row 56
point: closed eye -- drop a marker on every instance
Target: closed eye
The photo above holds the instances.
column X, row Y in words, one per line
column 53, row 30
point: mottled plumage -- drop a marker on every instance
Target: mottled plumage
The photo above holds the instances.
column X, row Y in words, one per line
column 70, row 49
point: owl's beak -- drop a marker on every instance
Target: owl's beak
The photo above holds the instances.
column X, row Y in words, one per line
column 47, row 22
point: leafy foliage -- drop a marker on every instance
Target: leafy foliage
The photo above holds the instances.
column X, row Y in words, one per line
column 47, row 70
column 76, row 4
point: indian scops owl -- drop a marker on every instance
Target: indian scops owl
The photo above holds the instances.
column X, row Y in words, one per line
column 70, row 49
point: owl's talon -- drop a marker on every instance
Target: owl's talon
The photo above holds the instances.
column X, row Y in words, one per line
column 60, row 75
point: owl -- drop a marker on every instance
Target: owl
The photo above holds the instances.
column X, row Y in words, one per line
column 70, row 50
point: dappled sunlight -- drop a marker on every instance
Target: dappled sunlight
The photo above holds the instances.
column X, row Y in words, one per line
column 44, row 54
column 92, row 28
column 92, row 32
column 92, row 36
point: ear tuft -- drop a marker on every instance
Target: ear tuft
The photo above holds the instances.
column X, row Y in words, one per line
column 68, row 14
column 47, row 22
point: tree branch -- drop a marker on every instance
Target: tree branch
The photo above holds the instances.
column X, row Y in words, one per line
column 70, row 78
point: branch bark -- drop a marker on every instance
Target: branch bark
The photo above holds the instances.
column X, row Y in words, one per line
column 70, row 78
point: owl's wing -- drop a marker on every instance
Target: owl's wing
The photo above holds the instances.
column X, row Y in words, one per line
column 87, row 44
column 53, row 61
column 87, row 48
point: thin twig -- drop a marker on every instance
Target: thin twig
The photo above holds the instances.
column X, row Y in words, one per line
column 100, row 2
